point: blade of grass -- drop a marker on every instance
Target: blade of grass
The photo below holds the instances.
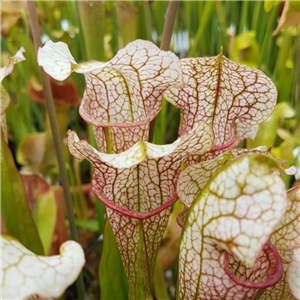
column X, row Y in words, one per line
column 144, row 20
column 15, row 211
column 158, row 9
column 268, row 41
column 112, row 278
column 91, row 14
column 284, row 75
column 115, row 26
column 204, row 16
column 160, row 287
column 296, row 84
column 244, row 25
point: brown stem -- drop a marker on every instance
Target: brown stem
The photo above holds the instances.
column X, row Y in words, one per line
column 258, row 294
column 168, row 26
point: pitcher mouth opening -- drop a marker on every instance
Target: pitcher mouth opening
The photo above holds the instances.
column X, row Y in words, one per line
column 271, row 270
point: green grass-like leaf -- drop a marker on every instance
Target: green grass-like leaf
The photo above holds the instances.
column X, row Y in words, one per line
column 14, row 206
column 112, row 278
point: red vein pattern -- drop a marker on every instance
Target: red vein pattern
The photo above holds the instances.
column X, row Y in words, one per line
column 124, row 93
column 245, row 131
column 235, row 213
column 139, row 187
column 266, row 271
column 286, row 238
column 142, row 178
column 193, row 178
column 220, row 92
column 139, row 257
column 121, row 138
column 128, row 89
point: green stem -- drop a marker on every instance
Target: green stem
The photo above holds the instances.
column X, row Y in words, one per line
column 258, row 294
column 257, row 18
column 244, row 16
column 147, row 19
column 91, row 15
column 165, row 44
column 268, row 43
column 284, row 54
column 34, row 24
column 160, row 286
column 205, row 15
column 296, row 89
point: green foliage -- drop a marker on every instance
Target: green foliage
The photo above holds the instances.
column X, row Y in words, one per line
column 270, row 4
column 14, row 206
column 45, row 218
column 268, row 130
column 112, row 278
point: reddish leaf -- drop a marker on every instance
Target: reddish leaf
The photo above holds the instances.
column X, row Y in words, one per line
column 34, row 185
column 10, row 15
column 289, row 17
column 63, row 93
column 61, row 231
column 31, row 151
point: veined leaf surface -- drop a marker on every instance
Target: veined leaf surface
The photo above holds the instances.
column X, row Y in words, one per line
column 139, row 187
column 193, row 178
column 293, row 274
column 235, row 213
column 26, row 274
column 286, row 238
column 124, row 94
column 221, row 92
